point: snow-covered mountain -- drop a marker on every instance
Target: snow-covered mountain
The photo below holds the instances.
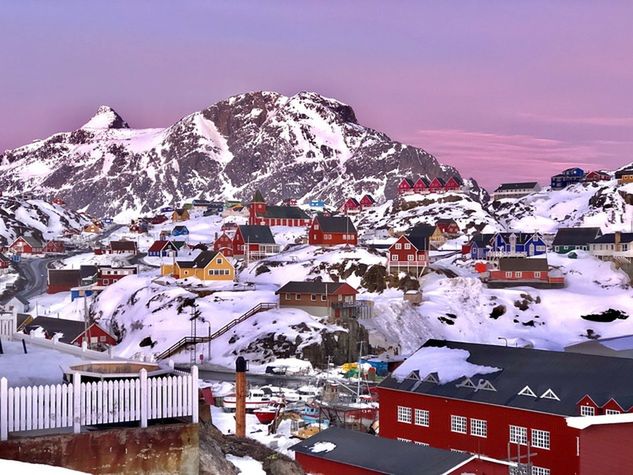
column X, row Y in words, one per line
column 305, row 146
column 37, row 217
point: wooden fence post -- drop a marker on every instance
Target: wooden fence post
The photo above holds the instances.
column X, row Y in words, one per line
column 144, row 397
column 76, row 402
column 194, row 394
column 4, row 409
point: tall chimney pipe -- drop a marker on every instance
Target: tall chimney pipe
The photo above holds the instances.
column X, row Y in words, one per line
column 240, row 397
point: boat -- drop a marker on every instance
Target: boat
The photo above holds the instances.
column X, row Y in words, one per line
column 255, row 399
column 267, row 414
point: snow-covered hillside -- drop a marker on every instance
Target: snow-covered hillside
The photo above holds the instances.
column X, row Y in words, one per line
column 18, row 217
column 306, row 146
column 604, row 204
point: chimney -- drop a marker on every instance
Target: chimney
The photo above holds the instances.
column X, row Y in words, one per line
column 240, row 397
column 617, row 239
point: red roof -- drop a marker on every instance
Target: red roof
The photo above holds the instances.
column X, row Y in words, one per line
column 158, row 246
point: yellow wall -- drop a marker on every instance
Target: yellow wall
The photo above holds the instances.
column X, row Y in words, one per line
column 204, row 274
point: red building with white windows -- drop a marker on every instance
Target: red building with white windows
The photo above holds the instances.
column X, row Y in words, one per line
column 109, row 275
column 519, row 271
column 331, row 231
column 596, row 175
column 448, row 227
column 254, row 242
column 351, row 205
column 367, row 201
column 504, row 402
column 263, row 214
column 27, row 245
column 410, row 253
column 424, row 185
column 224, row 244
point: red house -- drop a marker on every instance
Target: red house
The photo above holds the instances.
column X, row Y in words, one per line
column 367, row 201
column 405, row 186
column 421, row 186
column 262, row 214
column 437, row 185
column 162, row 248
column 55, row 247
column 109, row 275
column 254, row 242
column 27, row 245
column 410, row 253
column 453, row 184
column 596, row 175
column 122, row 247
column 348, row 452
column 158, row 219
column 448, row 227
column 73, row 332
column 58, row 201
column 502, row 401
column 351, row 205
column 224, row 244
column 519, row 271
column 332, row 230
column 4, row 262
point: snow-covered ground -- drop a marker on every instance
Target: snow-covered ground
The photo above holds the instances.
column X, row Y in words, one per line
column 12, row 467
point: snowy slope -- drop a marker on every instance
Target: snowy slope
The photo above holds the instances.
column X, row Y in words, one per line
column 19, row 216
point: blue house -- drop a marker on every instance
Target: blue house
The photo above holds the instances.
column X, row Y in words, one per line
column 180, row 231
column 567, row 177
column 484, row 246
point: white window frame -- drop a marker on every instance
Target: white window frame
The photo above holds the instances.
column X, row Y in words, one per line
column 518, row 435
column 323, row 297
column 587, row 411
column 398, row 246
column 422, row 417
column 404, row 414
column 540, row 470
column 611, row 412
column 479, row 428
column 313, row 297
column 410, row 258
column 459, row 424
column 540, row 439
column 407, row 246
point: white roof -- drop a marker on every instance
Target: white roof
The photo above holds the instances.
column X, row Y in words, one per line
column 582, row 422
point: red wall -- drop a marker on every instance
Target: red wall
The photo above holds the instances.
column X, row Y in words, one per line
column 96, row 331
column 561, row 458
column 316, row 237
column 403, row 253
column 606, row 449
column 525, row 275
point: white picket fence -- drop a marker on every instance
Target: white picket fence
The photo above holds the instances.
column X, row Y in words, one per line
column 58, row 406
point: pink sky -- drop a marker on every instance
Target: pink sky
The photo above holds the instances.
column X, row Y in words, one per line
column 501, row 90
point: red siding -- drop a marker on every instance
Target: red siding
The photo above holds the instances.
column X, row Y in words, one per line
column 320, row 466
column 96, row 331
column 224, row 244
column 527, row 276
column 317, row 237
column 404, row 187
column 561, row 458
column 452, row 184
column 436, row 186
column 402, row 254
column 420, row 186
column 606, row 449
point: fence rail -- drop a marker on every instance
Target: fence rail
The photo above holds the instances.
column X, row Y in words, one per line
column 60, row 406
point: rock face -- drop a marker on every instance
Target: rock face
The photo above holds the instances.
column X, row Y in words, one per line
column 305, row 146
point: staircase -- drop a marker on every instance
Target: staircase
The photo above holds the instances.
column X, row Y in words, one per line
column 190, row 340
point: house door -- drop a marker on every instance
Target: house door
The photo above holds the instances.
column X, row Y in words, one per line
column 531, row 251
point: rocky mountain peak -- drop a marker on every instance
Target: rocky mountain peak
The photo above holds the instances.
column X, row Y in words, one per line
column 106, row 118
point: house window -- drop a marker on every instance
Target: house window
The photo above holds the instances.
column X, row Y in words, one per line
column 459, row 424
column 540, row 471
column 587, row 411
column 327, row 237
column 407, row 246
column 404, row 414
column 537, row 275
column 316, row 227
column 287, row 296
column 540, row 439
column 102, row 338
column 398, row 246
column 410, row 257
column 611, row 412
column 540, row 248
column 323, row 298
column 518, row 435
column 394, row 257
column 402, row 439
column 518, row 274
column 218, row 261
column 421, row 417
column 557, row 248
column 106, row 281
column 313, row 297
column 508, row 275
column 478, row 428
column 297, row 296
column 421, row 443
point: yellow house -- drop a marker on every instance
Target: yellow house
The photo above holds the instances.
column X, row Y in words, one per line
column 208, row 265
column 180, row 214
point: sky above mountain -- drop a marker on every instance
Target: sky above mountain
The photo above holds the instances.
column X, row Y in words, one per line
column 502, row 90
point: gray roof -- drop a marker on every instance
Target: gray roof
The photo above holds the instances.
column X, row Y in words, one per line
column 379, row 454
column 523, row 264
column 311, row 287
column 610, row 238
column 575, row 236
column 285, row 212
column 200, row 261
column 70, row 277
column 33, row 241
column 516, row 186
column 123, row 245
column 256, row 234
column 571, row 376
column 71, row 329
column 336, row 224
